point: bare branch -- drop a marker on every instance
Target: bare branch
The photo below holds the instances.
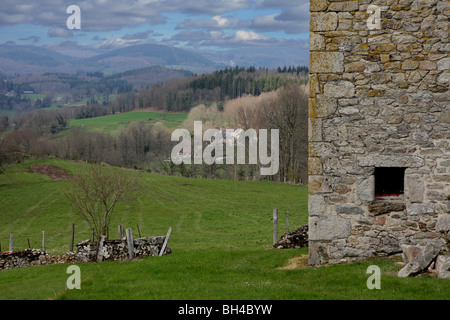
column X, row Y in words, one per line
column 95, row 193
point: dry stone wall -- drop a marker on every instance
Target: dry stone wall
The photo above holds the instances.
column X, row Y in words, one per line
column 379, row 98
column 112, row 250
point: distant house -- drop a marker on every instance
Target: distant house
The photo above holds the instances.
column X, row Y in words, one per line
column 28, row 92
column 185, row 152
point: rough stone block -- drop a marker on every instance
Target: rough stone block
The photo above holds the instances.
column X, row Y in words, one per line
column 401, row 161
column 443, row 223
column 410, row 65
column 315, row 130
column 416, row 209
column 385, row 207
column 318, row 253
column 443, row 64
column 442, row 266
column 357, row 66
column 349, row 209
column 427, row 65
column 414, row 188
column 319, row 184
column 342, row 89
column 421, row 262
column 317, row 5
column 316, row 205
column 366, row 189
column 323, row 21
column 316, row 42
column 329, row 228
column 326, row 62
column 344, row 6
column 325, row 106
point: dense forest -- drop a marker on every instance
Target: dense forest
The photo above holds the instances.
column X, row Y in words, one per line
column 219, row 86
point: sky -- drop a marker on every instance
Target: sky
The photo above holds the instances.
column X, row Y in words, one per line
column 200, row 24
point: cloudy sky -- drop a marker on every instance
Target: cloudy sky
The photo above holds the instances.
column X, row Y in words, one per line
column 106, row 24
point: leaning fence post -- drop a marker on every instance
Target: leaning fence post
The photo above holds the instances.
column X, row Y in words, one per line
column 139, row 231
column 73, row 237
column 130, row 244
column 100, row 248
column 275, row 226
column 11, row 243
column 165, row 242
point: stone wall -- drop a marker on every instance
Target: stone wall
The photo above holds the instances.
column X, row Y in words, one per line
column 113, row 250
column 379, row 97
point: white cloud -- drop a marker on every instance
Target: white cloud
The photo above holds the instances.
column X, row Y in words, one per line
column 239, row 39
column 221, row 22
column 242, row 35
column 216, row 22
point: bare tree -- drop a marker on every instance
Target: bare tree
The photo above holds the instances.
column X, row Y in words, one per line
column 96, row 191
column 15, row 146
column 289, row 114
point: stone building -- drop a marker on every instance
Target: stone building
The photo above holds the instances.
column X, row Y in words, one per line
column 379, row 127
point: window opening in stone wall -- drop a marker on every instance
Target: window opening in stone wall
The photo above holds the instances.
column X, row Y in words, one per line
column 389, row 184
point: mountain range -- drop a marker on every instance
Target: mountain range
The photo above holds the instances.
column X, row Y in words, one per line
column 20, row 59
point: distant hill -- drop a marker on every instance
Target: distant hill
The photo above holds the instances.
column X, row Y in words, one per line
column 146, row 55
column 38, row 60
column 31, row 60
column 65, row 83
column 143, row 77
column 32, row 55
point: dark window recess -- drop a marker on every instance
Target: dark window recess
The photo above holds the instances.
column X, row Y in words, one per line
column 389, row 184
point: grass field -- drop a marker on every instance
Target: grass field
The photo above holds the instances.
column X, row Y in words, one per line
column 111, row 123
column 221, row 244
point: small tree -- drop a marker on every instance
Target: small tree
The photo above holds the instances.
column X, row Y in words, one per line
column 95, row 192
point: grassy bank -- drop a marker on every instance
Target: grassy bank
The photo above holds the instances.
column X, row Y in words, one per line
column 221, row 243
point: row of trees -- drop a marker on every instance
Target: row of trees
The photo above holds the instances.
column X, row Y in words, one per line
column 182, row 94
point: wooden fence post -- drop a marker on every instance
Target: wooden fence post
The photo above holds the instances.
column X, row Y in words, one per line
column 119, row 231
column 275, row 226
column 165, row 242
column 130, row 243
column 139, row 231
column 43, row 240
column 11, row 243
column 100, row 248
column 287, row 221
column 73, row 237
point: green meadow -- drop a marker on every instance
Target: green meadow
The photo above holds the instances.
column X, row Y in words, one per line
column 221, row 244
column 112, row 123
